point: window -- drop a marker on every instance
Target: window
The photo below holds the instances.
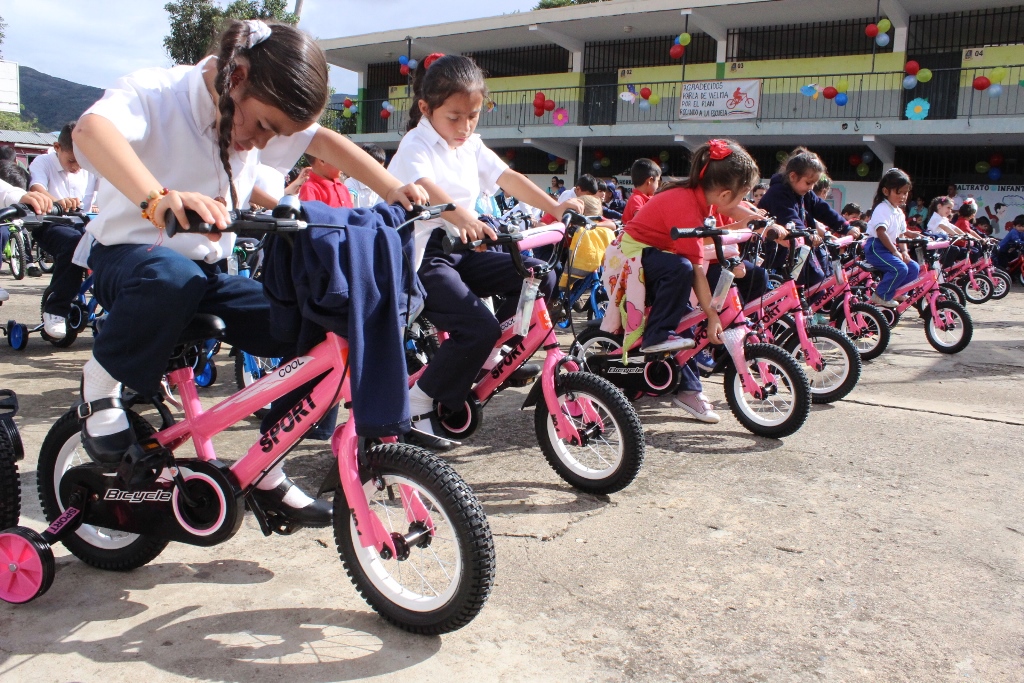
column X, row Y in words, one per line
column 822, row 39
column 956, row 31
column 523, row 61
column 612, row 55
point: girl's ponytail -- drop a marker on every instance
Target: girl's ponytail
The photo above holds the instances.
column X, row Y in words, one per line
column 893, row 179
column 803, row 162
column 438, row 77
column 722, row 164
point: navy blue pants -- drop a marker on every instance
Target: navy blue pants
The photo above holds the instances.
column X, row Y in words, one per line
column 60, row 241
column 454, row 285
column 150, row 294
column 895, row 273
column 669, row 280
column 751, row 286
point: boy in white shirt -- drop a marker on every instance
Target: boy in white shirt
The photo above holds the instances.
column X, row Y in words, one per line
column 362, row 196
column 68, row 185
column 12, row 191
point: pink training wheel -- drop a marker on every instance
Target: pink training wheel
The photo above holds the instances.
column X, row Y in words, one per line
column 26, row 565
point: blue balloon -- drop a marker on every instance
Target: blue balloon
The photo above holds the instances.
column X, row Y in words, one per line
column 385, row 105
column 909, row 82
column 867, row 157
column 644, row 105
column 994, row 174
column 676, row 41
column 995, row 90
column 403, row 60
column 882, row 39
column 809, row 90
column 842, row 99
column 354, row 109
column 551, row 157
column 413, row 63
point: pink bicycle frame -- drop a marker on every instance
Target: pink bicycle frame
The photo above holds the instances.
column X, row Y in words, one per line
column 330, row 356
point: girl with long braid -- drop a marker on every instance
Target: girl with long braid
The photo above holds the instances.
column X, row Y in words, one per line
column 167, row 140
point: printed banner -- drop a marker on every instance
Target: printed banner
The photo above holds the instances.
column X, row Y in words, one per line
column 720, row 100
column 1009, row 197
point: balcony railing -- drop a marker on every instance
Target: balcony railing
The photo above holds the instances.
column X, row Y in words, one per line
column 872, row 96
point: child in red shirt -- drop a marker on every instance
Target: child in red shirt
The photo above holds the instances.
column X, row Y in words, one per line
column 646, row 177
column 325, row 185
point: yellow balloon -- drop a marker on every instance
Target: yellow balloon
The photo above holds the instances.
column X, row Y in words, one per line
column 684, row 39
column 924, row 75
column 843, row 85
column 654, row 99
column 997, row 75
column 884, row 25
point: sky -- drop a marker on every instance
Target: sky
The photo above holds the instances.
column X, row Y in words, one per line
column 94, row 42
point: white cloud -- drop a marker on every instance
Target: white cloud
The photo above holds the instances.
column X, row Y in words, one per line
column 96, row 41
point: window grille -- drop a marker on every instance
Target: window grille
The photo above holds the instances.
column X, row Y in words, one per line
column 792, row 41
column 956, row 31
column 523, row 61
column 632, row 53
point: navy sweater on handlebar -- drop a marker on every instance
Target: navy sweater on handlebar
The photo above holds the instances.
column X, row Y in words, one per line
column 356, row 283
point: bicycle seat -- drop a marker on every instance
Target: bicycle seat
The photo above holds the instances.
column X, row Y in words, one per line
column 864, row 265
column 200, row 328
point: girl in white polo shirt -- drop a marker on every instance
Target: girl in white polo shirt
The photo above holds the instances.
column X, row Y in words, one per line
column 886, row 226
column 443, row 155
column 192, row 138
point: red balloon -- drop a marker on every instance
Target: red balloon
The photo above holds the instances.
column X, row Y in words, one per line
column 539, row 98
column 996, row 160
column 982, row 83
column 645, row 93
column 598, row 154
column 510, row 154
column 549, row 105
column 871, row 30
column 538, row 111
column 385, row 114
column 404, row 70
column 912, row 68
column 830, row 93
column 347, row 103
column 855, row 160
column 676, row 52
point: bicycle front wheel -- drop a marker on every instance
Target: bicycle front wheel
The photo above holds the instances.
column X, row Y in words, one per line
column 783, row 399
column 874, row 334
column 443, row 574
column 840, row 358
column 18, row 259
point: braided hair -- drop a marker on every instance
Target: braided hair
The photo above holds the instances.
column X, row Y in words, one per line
column 287, row 71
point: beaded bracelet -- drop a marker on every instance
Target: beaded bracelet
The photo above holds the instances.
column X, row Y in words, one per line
column 148, row 205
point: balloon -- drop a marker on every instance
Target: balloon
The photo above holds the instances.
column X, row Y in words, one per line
column 385, row 114
column 856, row 160
column 606, row 162
column 539, row 99
column 909, row 82
column 644, row 105
column 830, row 93
column 347, row 113
column 924, row 75
column 551, row 157
column 842, row 99
column 995, row 90
column 675, row 41
column 809, row 90
column 538, row 111
column 391, row 108
column 676, row 52
column 645, row 93
column 994, row 174
column 996, row 160
column 549, row 105
column 598, row 154
column 997, row 74
column 882, row 39
column 884, row 25
column 981, row 83
column 663, row 155
column 553, row 166
column 780, row 156
column 843, row 85
column 871, row 30
column 404, row 70
column 347, row 103
column 403, row 60
column 597, row 165
column 912, row 68
column 867, row 157
column 385, row 105
column 511, row 154
column 511, row 165
column 863, row 170
column 655, row 99
column 413, row 63
column 684, row 39
column 982, row 167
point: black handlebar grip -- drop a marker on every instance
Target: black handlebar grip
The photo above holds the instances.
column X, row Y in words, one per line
column 196, row 224
column 685, row 233
column 452, row 244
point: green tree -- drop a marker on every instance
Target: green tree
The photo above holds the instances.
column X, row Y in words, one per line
column 195, row 23
column 550, row 4
column 12, row 121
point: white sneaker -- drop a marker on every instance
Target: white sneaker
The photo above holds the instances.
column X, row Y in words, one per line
column 697, row 405
column 54, row 326
column 879, row 301
column 4, row 295
column 673, row 343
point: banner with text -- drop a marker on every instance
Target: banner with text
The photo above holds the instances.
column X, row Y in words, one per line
column 720, row 100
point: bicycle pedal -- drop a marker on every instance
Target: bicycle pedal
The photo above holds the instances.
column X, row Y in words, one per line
column 280, row 524
column 143, row 463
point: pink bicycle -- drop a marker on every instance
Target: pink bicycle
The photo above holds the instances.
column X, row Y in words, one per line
column 412, row 536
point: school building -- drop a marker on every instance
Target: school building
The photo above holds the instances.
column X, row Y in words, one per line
column 935, row 87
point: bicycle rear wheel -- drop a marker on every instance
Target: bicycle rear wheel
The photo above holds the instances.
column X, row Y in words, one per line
column 873, row 338
column 841, row 359
column 1002, row 282
column 441, row 579
column 248, row 369
column 10, row 482
column 18, row 259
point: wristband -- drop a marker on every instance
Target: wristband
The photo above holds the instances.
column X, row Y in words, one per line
column 149, row 204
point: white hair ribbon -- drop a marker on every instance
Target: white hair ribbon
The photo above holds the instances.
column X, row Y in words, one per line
column 258, row 32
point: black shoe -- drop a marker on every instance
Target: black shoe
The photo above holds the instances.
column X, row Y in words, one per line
column 427, row 440
column 34, row 271
column 523, row 375
column 318, row 514
column 108, row 449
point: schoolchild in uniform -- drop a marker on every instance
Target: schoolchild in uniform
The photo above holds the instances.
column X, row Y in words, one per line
column 881, row 249
column 442, row 154
column 192, row 137
column 15, row 193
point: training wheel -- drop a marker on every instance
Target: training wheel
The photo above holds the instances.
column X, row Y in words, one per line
column 208, row 376
column 17, row 336
column 26, row 565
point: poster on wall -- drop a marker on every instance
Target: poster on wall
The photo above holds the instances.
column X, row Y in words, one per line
column 720, row 100
column 1009, row 198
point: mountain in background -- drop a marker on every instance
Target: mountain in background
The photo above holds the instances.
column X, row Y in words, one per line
column 54, row 101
